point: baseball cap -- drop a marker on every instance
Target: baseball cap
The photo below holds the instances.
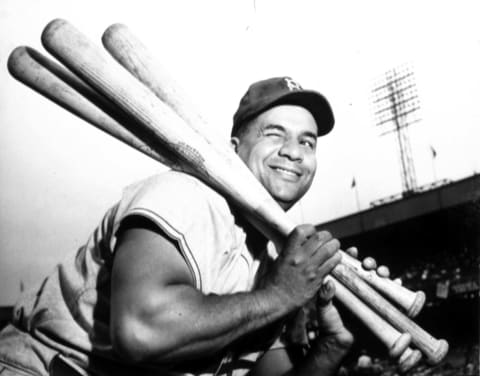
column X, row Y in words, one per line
column 265, row 94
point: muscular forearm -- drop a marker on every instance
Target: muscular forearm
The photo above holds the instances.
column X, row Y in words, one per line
column 186, row 324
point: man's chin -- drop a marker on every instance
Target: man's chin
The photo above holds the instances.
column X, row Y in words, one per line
column 286, row 202
column 285, row 194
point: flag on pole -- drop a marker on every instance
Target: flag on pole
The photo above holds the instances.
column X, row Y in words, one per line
column 434, row 152
column 352, row 186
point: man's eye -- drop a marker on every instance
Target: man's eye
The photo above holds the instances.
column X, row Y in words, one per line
column 273, row 133
column 308, row 143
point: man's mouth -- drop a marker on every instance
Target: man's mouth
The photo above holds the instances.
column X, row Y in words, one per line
column 287, row 171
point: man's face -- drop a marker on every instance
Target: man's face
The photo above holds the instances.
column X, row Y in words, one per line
column 279, row 148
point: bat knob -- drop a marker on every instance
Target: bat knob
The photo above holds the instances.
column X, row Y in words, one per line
column 409, row 359
column 417, row 304
column 441, row 349
column 400, row 346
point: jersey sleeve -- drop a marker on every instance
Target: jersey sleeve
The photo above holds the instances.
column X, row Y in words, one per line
column 189, row 213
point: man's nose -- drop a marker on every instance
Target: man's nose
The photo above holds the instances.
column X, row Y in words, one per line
column 291, row 150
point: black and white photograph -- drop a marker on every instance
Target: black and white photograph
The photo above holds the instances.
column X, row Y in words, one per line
column 252, row 187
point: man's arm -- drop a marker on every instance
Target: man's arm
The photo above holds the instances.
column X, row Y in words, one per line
column 158, row 315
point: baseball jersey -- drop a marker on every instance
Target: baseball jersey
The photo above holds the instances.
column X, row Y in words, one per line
column 69, row 312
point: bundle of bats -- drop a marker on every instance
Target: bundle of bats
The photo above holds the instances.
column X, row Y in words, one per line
column 133, row 98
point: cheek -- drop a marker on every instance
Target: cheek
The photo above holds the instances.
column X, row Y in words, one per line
column 256, row 166
column 314, row 169
column 250, row 159
column 258, row 155
column 310, row 163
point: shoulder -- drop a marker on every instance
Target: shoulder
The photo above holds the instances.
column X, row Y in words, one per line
column 173, row 185
column 179, row 201
column 171, row 191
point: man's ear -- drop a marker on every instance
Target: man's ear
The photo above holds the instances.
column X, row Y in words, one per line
column 234, row 142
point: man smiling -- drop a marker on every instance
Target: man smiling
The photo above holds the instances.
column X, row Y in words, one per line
column 274, row 108
column 279, row 153
column 174, row 281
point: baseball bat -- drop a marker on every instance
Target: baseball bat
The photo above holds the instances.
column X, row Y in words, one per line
column 133, row 55
column 220, row 171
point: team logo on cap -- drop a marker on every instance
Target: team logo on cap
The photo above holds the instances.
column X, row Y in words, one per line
column 291, row 84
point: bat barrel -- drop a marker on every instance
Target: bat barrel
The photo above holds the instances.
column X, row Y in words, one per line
column 62, row 87
column 130, row 52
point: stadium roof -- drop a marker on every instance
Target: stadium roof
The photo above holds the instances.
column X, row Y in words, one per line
column 414, row 205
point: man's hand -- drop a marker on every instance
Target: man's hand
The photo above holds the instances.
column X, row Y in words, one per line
column 369, row 263
column 334, row 339
column 332, row 331
column 333, row 342
column 306, row 259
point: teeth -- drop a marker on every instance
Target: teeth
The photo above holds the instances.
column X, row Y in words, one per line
column 285, row 171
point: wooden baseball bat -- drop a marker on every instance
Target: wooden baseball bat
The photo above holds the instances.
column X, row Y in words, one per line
column 133, row 55
column 61, row 86
column 220, row 171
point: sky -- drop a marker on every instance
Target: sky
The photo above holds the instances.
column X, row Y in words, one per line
column 59, row 174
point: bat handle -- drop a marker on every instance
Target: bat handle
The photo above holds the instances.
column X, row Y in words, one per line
column 396, row 342
column 434, row 349
column 411, row 301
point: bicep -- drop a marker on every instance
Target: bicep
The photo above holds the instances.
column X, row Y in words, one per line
column 145, row 255
column 146, row 262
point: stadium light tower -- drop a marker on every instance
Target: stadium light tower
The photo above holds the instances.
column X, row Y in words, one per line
column 396, row 104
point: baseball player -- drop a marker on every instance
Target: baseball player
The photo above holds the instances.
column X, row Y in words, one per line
column 174, row 280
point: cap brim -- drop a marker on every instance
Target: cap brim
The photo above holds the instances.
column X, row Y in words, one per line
column 313, row 102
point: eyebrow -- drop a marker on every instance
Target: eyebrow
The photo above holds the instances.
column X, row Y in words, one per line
column 273, row 126
column 310, row 134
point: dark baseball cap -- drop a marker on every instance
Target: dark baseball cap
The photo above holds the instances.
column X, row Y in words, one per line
column 265, row 94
